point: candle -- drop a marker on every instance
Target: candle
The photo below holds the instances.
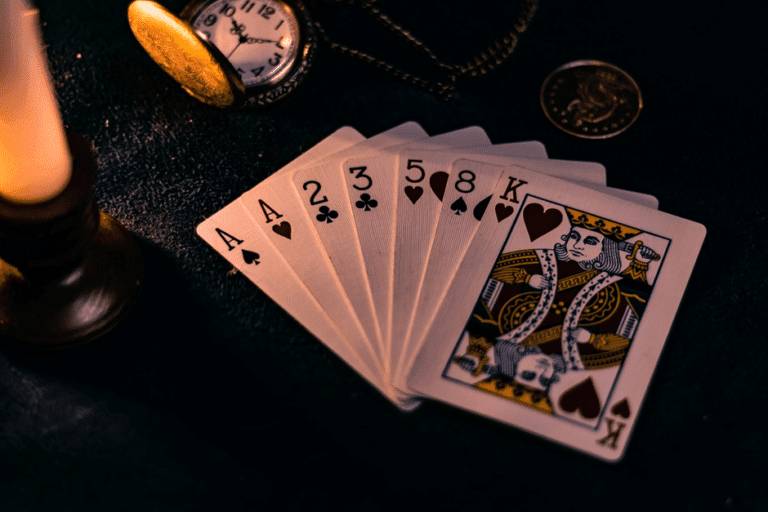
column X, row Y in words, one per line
column 35, row 164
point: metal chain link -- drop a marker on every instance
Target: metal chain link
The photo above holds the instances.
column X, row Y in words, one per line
column 482, row 63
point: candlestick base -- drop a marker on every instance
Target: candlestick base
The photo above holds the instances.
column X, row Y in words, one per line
column 79, row 306
column 69, row 272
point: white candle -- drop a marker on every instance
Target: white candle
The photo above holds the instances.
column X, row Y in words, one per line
column 35, row 164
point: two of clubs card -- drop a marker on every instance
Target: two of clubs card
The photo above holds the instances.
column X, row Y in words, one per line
column 486, row 276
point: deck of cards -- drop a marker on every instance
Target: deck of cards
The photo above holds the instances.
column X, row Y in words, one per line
column 486, row 276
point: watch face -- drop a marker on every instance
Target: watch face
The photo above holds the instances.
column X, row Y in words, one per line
column 260, row 38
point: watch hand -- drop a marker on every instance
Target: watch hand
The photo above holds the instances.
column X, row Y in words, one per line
column 238, row 29
column 235, row 48
column 251, row 40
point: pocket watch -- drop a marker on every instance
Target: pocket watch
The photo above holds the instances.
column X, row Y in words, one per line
column 229, row 52
column 254, row 52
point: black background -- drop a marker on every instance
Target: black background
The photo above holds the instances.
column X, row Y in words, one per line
column 211, row 397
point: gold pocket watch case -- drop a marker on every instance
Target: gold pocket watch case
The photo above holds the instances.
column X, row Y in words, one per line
column 229, row 53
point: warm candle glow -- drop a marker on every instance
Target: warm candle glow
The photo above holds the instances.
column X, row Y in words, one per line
column 35, row 164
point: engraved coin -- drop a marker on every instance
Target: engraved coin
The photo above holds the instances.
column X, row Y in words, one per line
column 591, row 99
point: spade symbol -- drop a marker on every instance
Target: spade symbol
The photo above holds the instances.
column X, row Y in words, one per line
column 621, row 409
column 413, row 193
column 479, row 210
column 437, row 183
column 583, row 398
column 283, row 229
column 459, row 206
column 250, row 257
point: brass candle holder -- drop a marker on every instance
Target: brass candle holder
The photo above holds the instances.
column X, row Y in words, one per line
column 68, row 272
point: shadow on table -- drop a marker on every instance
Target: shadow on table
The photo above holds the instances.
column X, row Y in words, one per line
column 160, row 391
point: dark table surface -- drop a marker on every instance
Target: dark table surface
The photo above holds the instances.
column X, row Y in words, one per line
column 210, row 397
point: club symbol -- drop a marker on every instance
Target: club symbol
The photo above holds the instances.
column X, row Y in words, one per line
column 326, row 215
column 366, row 202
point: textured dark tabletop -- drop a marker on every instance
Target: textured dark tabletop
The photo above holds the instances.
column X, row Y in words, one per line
column 210, row 397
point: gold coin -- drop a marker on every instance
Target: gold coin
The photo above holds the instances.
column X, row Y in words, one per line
column 591, row 99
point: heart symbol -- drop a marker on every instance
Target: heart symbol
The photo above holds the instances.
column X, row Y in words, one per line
column 437, row 183
column 480, row 208
column 621, row 409
column 459, row 206
column 250, row 257
column 539, row 222
column 413, row 193
column 583, row 398
column 283, row 229
column 503, row 211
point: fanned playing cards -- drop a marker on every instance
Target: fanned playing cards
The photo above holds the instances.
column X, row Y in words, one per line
column 486, row 276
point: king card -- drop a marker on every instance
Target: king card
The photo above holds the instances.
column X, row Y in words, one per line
column 555, row 325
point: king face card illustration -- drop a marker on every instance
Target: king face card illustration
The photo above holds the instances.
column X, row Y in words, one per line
column 558, row 315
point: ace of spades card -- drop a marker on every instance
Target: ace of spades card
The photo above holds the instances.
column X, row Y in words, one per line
column 565, row 328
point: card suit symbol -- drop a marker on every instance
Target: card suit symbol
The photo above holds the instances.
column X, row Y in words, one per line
column 480, row 208
column 583, row 398
column 503, row 211
column 250, row 257
column 539, row 221
column 326, row 215
column 438, row 182
column 366, row 202
column 621, row 409
column 283, row 229
column 413, row 193
column 459, row 206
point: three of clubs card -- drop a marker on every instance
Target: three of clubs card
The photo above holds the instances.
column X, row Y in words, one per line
column 486, row 276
